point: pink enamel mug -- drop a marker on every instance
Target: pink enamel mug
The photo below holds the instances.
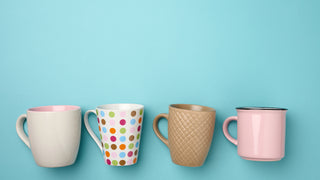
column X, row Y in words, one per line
column 261, row 133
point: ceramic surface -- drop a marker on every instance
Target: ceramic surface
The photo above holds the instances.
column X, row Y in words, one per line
column 120, row 128
column 54, row 134
column 190, row 132
column 261, row 133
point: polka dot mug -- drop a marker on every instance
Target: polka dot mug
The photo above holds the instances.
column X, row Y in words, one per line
column 120, row 132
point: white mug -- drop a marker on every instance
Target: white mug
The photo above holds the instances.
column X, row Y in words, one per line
column 120, row 127
column 54, row 134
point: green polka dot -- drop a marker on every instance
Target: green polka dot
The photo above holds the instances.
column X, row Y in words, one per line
column 141, row 111
column 138, row 136
column 106, row 146
column 130, row 145
column 97, row 112
column 123, row 130
column 111, row 114
column 114, row 162
column 100, row 136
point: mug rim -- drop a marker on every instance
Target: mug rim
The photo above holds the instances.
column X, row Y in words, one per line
column 260, row 108
column 132, row 106
column 54, row 108
column 201, row 108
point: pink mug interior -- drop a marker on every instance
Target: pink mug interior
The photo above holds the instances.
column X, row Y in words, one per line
column 54, row 108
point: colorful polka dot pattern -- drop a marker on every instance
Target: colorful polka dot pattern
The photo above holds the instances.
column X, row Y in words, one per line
column 120, row 133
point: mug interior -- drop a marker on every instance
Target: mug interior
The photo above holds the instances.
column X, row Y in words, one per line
column 54, row 108
column 120, row 106
column 192, row 107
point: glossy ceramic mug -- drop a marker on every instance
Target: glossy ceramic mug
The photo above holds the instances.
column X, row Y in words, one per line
column 190, row 132
column 261, row 133
column 54, row 134
column 120, row 128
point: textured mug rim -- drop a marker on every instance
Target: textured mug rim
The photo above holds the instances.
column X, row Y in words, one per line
column 202, row 108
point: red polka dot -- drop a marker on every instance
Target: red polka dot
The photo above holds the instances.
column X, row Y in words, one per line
column 130, row 153
column 108, row 161
column 113, row 138
column 139, row 128
column 122, row 122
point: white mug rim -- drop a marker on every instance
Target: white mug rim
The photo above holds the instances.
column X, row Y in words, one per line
column 121, row 107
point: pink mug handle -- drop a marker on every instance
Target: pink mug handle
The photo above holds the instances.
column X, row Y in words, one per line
column 225, row 129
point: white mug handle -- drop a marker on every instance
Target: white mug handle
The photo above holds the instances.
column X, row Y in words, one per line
column 20, row 130
column 86, row 123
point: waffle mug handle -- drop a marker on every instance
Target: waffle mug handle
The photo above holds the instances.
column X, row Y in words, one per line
column 156, row 128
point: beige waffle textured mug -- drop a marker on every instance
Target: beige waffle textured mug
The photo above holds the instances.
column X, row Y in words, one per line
column 190, row 131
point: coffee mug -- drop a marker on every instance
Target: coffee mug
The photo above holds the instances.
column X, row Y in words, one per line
column 54, row 134
column 190, row 131
column 261, row 133
column 120, row 128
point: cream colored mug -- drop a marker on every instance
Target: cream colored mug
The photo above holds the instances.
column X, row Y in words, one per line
column 54, row 134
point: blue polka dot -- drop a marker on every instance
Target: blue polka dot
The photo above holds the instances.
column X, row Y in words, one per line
column 104, row 129
column 122, row 138
column 137, row 144
column 133, row 121
column 122, row 155
column 102, row 113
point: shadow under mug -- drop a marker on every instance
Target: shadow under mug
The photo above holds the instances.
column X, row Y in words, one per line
column 190, row 132
column 54, row 134
column 261, row 133
column 120, row 127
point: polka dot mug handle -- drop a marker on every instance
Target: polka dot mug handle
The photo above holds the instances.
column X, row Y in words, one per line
column 156, row 128
column 19, row 127
column 225, row 129
column 86, row 123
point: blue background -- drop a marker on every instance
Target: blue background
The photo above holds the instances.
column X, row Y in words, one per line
column 221, row 54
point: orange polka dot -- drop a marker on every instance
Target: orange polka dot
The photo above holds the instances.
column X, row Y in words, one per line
column 135, row 160
column 122, row 146
column 140, row 120
column 99, row 128
column 112, row 130
column 107, row 154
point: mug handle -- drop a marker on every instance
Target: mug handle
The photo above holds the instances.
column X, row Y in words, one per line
column 86, row 123
column 225, row 129
column 20, row 131
column 156, row 128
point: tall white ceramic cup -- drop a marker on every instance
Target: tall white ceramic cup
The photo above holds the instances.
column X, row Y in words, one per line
column 54, row 134
column 120, row 127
